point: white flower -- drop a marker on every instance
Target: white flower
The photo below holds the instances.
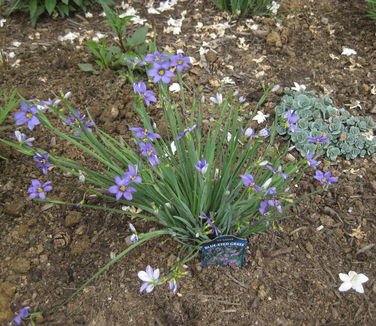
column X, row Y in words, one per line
column 150, row 278
column 267, row 183
column 298, row 88
column 138, row 20
column 2, row 22
column 173, row 147
column 218, row 99
column 68, row 37
column 81, row 177
column 274, row 6
column 16, row 44
column 227, row 80
column 348, row 51
column 88, row 15
column 174, row 87
column 153, row 11
column 352, row 280
column 167, row 5
column 98, row 36
column 260, row 117
column 229, row 136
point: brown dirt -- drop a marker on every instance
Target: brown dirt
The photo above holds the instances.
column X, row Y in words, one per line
column 290, row 277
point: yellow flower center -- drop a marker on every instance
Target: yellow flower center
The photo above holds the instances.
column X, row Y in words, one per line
column 324, row 179
column 43, row 161
column 149, row 153
column 132, row 178
column 40, row 190
column 123, row 188
column 180, row 62
column 76, row 122
column 145, row 132
column 29, row 115
column 161, row 72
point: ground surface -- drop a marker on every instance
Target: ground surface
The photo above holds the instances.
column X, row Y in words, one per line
column 290, row 277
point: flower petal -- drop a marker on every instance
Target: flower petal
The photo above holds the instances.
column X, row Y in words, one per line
column 143, row 286
column 361, row 278
column 156, row 274
column 149, row 271
column 344, row 277
column 150, row 288
column 143, row 276
column 358, row 287
column 345, row 286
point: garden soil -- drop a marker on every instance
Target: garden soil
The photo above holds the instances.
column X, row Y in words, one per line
column 290, row 276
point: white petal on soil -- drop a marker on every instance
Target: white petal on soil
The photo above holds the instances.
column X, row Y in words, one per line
column 344, row 277
column 348, row 51
column 358, row 287
column 143, row 276
column 345, row 286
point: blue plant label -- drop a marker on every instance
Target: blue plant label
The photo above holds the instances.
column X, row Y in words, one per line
column 225, row 250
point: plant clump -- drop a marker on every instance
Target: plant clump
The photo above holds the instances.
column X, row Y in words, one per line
column 322, row 128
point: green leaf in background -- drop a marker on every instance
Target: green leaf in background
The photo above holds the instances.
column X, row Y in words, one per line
column 88, row 67
column 50, row 6
column 138, row 37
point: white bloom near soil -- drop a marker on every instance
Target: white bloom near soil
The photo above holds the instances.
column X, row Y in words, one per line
column 2, row 22
column 260, row 117
column 298, row 88
column 68, row 37
column 88, row 15
column 352, row 280
column 348, row 51
column 175, row 87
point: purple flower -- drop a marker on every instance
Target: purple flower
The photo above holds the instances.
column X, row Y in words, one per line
column 173, row 286
column 134, row 238
column 145, row 134
column 42, row 162
column 147, row 95
column 156, row 57
column 202, row 166
column 249, row 133
column 271, row 191
column 77, row 120
column 249, row 182
column 27, row 115
column 38, row 189
column 22, row 138
column 242, row 99
column 264, row 132
column 275, row 203
column 325, row 178
column 180, row 62
column 291, row 120
column 185, row 132
column 150, row 278
column 310, row 160
column 269, row 167
column 218, row 99
column 318, row 139
column 131, row 175
column 135, row 62
column 148, row 151
column 264, row 208
column 211, row 224
column 160, row 72
column 121, row 189
column 20, row 315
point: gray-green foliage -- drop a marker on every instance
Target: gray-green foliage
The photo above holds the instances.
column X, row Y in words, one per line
column 349, row 136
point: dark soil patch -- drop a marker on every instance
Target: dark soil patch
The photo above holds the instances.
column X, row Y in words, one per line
column 290, row 277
